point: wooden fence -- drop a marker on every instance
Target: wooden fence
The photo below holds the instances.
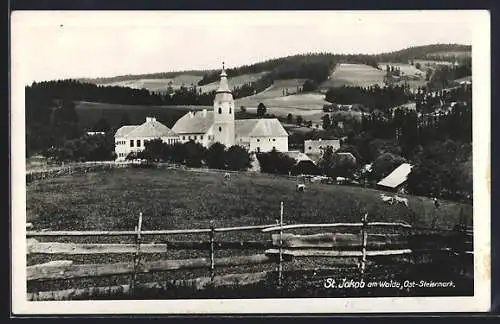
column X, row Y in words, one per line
column 350, row 248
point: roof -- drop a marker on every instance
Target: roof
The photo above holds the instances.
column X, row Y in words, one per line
column 194, row 123
column 124, row 130
column 223, row 85
column 259, row 127
column 348, row 155
column 299, row 156
column 150, row 128
column 396, row 177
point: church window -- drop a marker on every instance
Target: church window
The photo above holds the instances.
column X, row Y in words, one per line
column 220, row 129
column 230, row 110
column 258, row 140
column 220, row 110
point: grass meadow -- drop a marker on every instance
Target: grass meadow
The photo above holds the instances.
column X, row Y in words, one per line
column 177, row 199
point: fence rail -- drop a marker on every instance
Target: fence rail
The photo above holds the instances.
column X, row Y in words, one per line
column 280, row 249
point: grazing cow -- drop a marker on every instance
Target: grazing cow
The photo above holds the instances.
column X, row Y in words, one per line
column 436, row 202
column 301, row 187
column 227, row 176
column 401, row 200
column 387, row 199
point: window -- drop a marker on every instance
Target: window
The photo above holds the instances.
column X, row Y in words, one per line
column 220, row 129
column 220, row 110
column 274, row 140
column 310, row 148
column 258, row 140
column 183, row 137
column 201, row 137
column 131, row 143
column 195, row 137
column 138, row 143
column 189, row 137
column 230, row 110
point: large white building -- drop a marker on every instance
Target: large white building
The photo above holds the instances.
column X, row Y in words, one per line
column 207, row 128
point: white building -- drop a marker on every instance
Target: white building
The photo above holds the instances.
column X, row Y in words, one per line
column 316, row 147
column 132, row 138
column 207, row 128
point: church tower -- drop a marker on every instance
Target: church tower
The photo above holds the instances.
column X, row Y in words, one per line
column 224, row 113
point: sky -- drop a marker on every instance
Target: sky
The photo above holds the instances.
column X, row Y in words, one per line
column 58, row 45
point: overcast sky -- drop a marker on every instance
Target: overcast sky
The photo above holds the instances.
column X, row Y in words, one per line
column 58, row 45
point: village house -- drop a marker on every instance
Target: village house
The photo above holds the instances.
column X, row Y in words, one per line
column 208, row 127
column 396, row 180
column 316, row 147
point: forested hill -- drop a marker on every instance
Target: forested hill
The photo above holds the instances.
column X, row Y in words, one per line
column 313, row 66
column 435, row 51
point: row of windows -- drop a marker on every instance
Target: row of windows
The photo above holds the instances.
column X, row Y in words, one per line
column 195, row 137
column 274, row 140
column 137, row 143
column 220, row 110
column 122, row 154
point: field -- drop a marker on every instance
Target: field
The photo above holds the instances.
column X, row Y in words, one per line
column 237, row 81
column 175, row 199
column 406, row 69
column 360, row 75
column 158, row 85
column 90, row 112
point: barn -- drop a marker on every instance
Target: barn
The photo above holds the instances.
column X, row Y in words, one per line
column 396, row 180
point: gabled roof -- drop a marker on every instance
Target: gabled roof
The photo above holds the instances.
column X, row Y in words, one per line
column 259, row 127
column 124, row 130
column 299, row 156
column 194, row 123
column 151, row 128
column 396, row 177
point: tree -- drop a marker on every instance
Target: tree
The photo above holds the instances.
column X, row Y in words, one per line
column 305, row 167
column 215, row 156
column 418, row 66
column 275, row 162
column 385, row 164
column 299, row 120
column 194, row 154
column 289, row 118
column 261, row 109
column 238, row 158
column 309, row 85
column 155, row 151
column 326, row 121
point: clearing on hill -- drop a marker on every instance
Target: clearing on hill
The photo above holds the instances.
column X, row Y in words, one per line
column 237, row 81
column 361, row 75
column 158, row 85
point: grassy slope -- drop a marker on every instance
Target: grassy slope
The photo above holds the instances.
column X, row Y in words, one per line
column 158, row 85
column 354, row 75
column 181, row 199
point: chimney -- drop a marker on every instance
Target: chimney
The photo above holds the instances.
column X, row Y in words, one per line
column 205, row 112
column 148, row 119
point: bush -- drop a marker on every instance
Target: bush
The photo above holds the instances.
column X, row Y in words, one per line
column 238, row 158
column 275, row 162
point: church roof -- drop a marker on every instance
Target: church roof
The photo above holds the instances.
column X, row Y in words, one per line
column 194, row 122
column 259, row 127
column 151, row 128
column 223, row 85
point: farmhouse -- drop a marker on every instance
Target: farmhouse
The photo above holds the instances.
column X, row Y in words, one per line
column 131, row 138
column 316, row 147
column 396, row 180
column 207, row 127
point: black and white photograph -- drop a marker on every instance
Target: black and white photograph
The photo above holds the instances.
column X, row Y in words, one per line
column 250, row 161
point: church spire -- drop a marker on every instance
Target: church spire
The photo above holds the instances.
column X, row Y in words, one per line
column 223, row 85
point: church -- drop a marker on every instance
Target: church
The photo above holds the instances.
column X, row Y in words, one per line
column 207, row 127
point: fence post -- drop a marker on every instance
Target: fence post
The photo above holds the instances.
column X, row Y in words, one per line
column 364, row 237
column 212, row 250
column 280, row 264
column 137, row 254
